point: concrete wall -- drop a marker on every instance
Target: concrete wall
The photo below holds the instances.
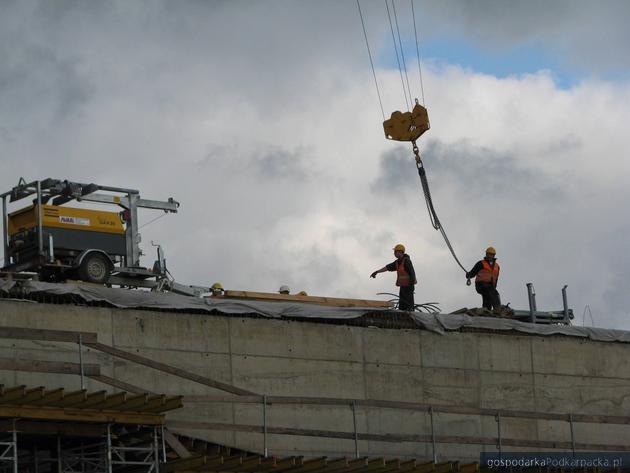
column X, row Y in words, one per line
column 307, row 359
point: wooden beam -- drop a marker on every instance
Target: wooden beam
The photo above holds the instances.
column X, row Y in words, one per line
column 49, row 398
column 168, row 369
column 328, row 301
column 154, row 403
column 119, row 384
column 173, row 442
column 134, row 403
column 184, row 464
column 48, row 428
column 80, row 415
column 414, row 406
column 10, row 394
column 396, row 438
column 113, row 401
column 41, row 366
column 20, row 333
column 171, row 403
column 92, row 400
column 32, row 394
column 70, row 399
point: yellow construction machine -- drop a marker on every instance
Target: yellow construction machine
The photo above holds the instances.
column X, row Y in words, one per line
column 100, row 246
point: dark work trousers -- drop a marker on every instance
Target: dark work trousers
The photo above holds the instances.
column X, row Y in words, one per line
column 489, row 295
column 405, row 301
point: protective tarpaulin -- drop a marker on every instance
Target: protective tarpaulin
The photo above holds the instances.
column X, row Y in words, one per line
column 6, row 285
column 450, row 322
column 124, row 298
column 437, row 323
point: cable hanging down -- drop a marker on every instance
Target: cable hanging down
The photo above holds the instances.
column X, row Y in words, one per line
column 435, row 221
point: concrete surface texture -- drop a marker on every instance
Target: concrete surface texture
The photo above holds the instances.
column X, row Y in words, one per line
column 284, row 358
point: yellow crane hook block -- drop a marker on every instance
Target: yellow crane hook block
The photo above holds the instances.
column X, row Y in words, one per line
column 407, row 126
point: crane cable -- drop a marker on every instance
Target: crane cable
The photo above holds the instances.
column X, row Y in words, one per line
column 367, row 44
column 415, row 31
column 435, row 221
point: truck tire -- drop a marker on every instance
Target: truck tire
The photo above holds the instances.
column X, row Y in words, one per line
column 95, row 268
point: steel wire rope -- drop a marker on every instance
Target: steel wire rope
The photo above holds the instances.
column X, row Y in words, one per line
column 402, row 51
column 367, row 44
column 415, row 30
column 391, row 27
column 151, row 221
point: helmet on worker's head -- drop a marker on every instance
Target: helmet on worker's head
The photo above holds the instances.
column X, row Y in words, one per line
column 302, row 293
column 284, row 289
column 216, row 286
column 399, row 247
column 491, row 251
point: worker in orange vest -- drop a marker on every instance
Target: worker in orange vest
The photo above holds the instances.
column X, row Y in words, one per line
column 486, row 274
column 406, row 277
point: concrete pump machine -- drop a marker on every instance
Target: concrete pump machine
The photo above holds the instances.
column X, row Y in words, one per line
column 99, row 246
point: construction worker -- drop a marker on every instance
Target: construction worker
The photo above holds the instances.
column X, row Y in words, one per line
column 284, row 289
column 486, row 274
column 406, row 278
column 217, row 289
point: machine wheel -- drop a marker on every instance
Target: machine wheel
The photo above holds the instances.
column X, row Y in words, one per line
column 95, row 268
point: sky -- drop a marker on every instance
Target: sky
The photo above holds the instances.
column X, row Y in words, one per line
column 262, row 119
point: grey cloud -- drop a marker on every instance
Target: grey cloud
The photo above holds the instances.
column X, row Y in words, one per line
column 398, row 172
column 592, row 35
column 483, row 171
column 474, row 171
column 276, row 162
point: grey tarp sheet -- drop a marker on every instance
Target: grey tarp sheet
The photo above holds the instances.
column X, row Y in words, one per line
column 6, row 285
column 124, row 298
column 441, row 323
column 438, row 323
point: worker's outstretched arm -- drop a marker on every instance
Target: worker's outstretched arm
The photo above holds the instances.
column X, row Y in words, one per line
column 382, row 270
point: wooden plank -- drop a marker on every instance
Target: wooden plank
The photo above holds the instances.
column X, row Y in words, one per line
column 119, row 384
column 415, row 406
column 41, row 366
column 80, row 415
column 170, row 404
column 10, row 394
column 465, row 440
column 50, row 428
column 112, row 401
column 154, row 402
column 184, row 464
column 168, row 369
column 32, row 394
column 92, row 400
column 329, row 301
column 352, row 466
column 75, row 397
column 173, row 442
column 49, row 398
column 46, row 335
column 134, row 403
column 308, row 466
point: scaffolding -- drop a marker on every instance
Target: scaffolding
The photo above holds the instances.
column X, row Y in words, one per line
column 49, row 431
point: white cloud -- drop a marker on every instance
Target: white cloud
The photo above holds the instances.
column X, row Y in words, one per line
column 268, row 132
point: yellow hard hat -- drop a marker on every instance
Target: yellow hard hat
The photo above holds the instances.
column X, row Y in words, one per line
column 216, row 285
column 491, row 251
column 399, row 247
column 302, row 293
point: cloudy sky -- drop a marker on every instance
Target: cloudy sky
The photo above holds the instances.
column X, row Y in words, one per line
column 262, row 119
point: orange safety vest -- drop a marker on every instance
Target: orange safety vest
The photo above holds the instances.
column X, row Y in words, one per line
column 403, row 278
column 488, row 273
